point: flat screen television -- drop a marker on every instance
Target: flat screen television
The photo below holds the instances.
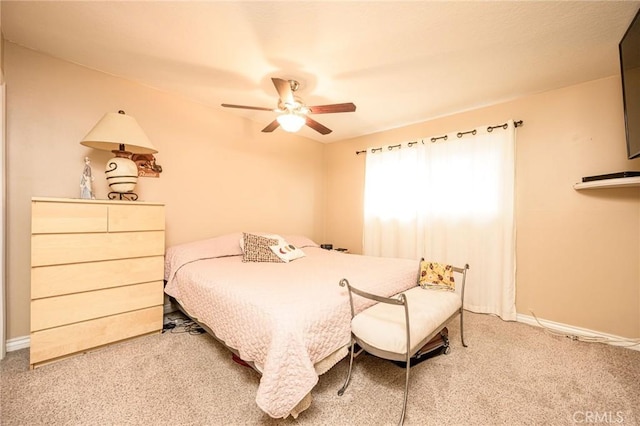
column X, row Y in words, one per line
column 629, row 49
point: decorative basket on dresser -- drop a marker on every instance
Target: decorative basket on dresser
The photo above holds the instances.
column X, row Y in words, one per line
column 97, row 270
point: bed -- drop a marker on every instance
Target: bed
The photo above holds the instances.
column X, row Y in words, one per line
column 289, row 320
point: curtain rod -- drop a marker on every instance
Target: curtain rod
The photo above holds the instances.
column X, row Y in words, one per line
column 517, row 123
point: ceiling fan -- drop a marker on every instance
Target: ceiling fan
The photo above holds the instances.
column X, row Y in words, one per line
column 293, row 113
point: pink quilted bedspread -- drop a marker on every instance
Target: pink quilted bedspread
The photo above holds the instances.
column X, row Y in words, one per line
column 284, row 317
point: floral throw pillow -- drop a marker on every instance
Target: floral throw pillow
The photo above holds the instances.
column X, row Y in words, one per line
column 257, row 249
column 436, row 276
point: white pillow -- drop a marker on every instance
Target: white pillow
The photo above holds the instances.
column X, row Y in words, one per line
column 287, row 252
column 301, row 241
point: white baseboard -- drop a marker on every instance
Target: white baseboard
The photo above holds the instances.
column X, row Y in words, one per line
column 18, row 343
column 576, row 331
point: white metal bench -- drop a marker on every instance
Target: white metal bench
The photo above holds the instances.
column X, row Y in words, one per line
column 397, row 327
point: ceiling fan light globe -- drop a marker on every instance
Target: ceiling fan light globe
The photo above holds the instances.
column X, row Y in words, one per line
column 291, row 122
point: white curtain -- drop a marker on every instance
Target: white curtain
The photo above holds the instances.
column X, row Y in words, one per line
column 449, row 201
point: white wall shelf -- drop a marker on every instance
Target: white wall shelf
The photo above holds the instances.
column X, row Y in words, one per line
column 609, row 183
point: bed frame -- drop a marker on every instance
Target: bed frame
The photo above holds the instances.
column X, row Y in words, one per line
column 234, row 352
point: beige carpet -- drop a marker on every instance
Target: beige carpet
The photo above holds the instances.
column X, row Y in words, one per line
column 511, row 374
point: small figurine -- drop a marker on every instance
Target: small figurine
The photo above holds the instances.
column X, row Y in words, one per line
column 86, row 191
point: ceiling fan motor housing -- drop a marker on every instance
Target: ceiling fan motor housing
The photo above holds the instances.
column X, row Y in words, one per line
column 289, row 104
column 294, row 85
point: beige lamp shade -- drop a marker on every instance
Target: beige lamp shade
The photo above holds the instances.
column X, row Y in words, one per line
column 116, row 129
column 120, row 134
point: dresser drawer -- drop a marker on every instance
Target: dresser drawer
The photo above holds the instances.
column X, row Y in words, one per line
column 54, row 249
column 56, row 280
column 67, row 217
column 71, row 308
column 53, row 343
column 124, row 218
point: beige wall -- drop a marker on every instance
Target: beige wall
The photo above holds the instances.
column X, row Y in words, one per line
column 220, row 173
column 578, row 252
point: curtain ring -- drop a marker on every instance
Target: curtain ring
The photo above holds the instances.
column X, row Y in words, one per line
column 460, row 134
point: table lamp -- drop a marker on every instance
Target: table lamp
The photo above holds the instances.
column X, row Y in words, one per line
column 120, row 134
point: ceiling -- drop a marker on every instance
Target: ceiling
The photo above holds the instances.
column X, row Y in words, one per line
column 399, row 62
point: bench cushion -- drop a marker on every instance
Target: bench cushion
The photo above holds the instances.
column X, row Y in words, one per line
column 383, row 325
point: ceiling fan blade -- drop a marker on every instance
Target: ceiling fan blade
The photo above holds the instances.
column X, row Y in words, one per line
column 328, row 109
column 271, row 127
column 317, row 126
column 247, row 107
column 284, row 90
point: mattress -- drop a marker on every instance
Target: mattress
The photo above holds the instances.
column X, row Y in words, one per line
column 285, row 318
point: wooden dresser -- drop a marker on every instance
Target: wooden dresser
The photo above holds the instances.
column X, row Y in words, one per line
column 97, row 270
